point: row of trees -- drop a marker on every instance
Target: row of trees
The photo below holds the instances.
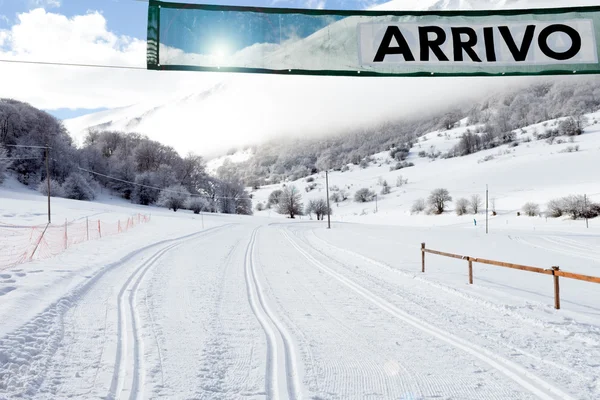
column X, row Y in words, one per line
column 574, row 206
column 288, row 201
column 128, row 164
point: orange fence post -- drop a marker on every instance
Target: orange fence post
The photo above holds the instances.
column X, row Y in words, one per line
column 66, row 233
column 422, row 257
column 119, row 226
column 99, row 230
column 87, row 228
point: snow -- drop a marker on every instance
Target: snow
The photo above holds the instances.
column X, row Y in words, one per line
column 237, row 157
column 218, row 306
column 533, row 171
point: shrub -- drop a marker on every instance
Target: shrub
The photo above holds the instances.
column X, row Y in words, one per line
column 400, row 181
column 198, row 204
column 531, row 209
column 418, row 206
column 364, row 195
column 385, row 188
column 570, row 149
column 461, row 206
column 76, row 187
column 339, row 196
column 174, row 197
column 55, row 189
column 259, row 207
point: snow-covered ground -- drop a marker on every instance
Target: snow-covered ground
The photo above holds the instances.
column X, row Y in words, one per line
column 260, row 307
column 225, row 307
column 533, row 171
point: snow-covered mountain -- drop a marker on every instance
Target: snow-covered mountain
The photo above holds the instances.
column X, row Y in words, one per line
column 248, row 109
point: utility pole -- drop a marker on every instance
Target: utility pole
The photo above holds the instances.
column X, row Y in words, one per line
column 585, row 210
column 486, row 208
column 328, row 208
column 48, row 178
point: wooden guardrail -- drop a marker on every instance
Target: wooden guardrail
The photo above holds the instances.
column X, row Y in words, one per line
column 554, row 271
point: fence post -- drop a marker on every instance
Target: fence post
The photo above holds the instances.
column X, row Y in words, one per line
column 66, row 237
column 470, row 270
column 119, row 227
column 422, row 257
column 87, row 228
column 556, row 288
column 99, row 230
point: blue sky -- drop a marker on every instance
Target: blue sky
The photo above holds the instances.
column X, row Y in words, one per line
column 128, row 17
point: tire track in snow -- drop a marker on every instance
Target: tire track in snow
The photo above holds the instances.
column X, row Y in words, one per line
column 518, row 374
column 128, row 372
column 282, row 380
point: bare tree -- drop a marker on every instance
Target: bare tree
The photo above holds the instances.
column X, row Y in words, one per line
column 437, row 200
column 290, row 202
column 475, row 203
column 318, row 207
column 461, row 206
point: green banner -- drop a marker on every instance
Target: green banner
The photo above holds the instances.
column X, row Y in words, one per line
column 373, row 43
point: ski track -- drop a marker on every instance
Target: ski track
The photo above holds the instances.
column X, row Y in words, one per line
column 492, row 325
column 26, row 354
column 518, row 374
column 564, row 246
column 282, row 378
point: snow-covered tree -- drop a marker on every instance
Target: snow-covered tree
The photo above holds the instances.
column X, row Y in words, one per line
column 198, row 204
column 475, row 203
column 385, row 188
column 437, row 200
column 144, row 191
column 56, row 189
column 77, row 187
column 318, row 207
column 531, row 209
column 173, row 197
column 418, row 206
column 290, row 202
column 461, row 206
column 274, row 198
column 4, row 162
column 364, row 195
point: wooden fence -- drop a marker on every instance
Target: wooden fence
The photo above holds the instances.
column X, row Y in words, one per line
column 554, row 271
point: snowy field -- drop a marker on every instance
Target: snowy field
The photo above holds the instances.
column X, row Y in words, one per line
column 228, row 307
column 256, row 307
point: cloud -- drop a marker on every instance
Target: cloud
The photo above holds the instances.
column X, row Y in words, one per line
column 247, row 109
column 44, row 3
column 82, row 39
column 315, row 4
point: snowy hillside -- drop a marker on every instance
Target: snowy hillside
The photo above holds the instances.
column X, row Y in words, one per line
column 204, row 119
column 533, row 171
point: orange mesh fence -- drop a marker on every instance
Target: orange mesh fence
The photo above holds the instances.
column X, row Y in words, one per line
column 21, row 243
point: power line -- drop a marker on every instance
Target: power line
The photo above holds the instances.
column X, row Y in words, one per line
column 20, row 158
column 66, row 64
column 27, row 146
column 155, row 187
